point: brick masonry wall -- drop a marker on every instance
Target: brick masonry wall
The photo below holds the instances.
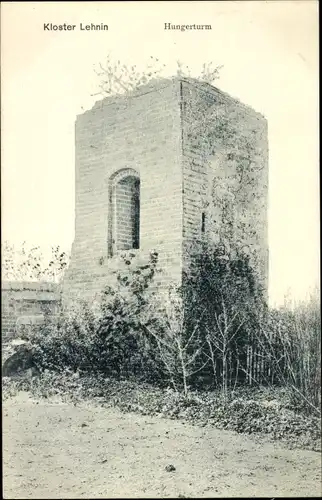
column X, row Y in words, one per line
column 141, row 132
column 148, row 133
column 22, row 302
column 202, row 172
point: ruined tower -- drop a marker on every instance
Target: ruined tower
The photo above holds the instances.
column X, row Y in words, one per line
column 156, row 169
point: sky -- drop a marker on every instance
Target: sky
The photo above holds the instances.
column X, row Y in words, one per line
column 269, row 54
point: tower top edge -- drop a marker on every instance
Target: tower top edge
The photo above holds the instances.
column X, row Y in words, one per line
column 158, row 84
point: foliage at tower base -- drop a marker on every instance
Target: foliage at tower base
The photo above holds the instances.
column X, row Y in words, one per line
column 223, row 301
column 219, row 283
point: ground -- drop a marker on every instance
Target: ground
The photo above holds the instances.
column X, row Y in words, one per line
column 61, row 450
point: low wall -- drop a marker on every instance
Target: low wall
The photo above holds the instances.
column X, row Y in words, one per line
column 26, row 303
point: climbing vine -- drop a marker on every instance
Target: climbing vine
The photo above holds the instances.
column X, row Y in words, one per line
column 230, row 145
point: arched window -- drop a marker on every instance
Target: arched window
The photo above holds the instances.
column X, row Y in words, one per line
column 124, row 221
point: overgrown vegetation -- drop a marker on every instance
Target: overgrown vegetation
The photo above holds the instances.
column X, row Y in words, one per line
column 290, row 345
column 106, row 338
column 211, row 352
column 213, row 332
column 116, row 78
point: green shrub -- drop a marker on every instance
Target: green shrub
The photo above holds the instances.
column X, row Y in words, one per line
column 222, row 295
column 110, row 339
column 290, row 339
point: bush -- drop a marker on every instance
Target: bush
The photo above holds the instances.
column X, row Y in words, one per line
column 221, row 294
column 109, row 339
column 66, row 341
column 291, row 340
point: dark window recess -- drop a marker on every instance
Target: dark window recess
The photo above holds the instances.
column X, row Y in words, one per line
column 127, row 220
column 136, row 215
column 203, row 222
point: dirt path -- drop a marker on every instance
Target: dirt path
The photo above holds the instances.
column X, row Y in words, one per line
column 54, row 450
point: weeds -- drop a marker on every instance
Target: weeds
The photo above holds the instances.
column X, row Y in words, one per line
column 213, row 332
column 252, row 411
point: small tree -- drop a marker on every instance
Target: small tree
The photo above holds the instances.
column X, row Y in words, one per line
column 117, row 78
column 28, row 263
column 181, row 352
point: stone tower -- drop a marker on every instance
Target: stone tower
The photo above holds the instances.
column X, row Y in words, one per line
column 149, row 169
